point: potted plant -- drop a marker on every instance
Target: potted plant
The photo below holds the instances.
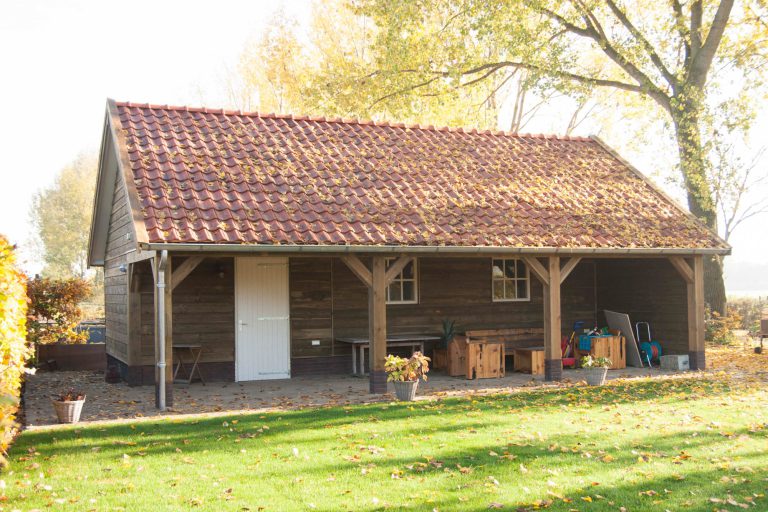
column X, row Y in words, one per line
column 68, row 405
column 404, row 373
column 596, row 369
column 440, row 353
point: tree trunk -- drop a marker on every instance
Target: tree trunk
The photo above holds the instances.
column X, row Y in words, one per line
column 699, row 194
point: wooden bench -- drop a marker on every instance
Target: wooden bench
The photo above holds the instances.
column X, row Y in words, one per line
column 480, row 353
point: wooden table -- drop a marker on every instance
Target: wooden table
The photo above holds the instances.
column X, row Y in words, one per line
column 195, row 351
column 415, row 341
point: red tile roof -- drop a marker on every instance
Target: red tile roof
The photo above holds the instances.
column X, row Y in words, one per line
column 213, row 176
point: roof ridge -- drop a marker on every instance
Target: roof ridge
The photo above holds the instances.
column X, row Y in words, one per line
column 356, row 121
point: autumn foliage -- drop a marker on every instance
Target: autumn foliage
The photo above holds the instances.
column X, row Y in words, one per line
column 14, row 349
column 54, row 310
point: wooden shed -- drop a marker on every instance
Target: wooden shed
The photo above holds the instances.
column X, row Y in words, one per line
column 266, row 239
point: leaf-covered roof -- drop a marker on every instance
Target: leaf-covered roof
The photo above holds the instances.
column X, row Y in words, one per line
column 212, row 176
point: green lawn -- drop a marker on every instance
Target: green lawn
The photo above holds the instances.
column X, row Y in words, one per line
column 642, row 445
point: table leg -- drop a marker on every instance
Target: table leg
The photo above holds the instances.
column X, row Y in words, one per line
column 195, row 366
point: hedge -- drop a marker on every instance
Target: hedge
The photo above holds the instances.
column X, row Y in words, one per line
column 14, row 348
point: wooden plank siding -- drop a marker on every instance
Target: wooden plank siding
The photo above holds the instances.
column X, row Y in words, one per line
column 121, row 240
column 649, row 290
column 328, row 301
column 203, row 311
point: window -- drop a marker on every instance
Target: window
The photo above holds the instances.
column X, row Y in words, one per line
column 511, row 281
column 403, row 289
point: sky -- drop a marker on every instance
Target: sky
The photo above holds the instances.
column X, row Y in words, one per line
column 61, row 60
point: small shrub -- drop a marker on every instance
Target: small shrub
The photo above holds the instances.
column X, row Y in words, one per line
column 54, row 310
column 719, row 329
column 14, row 348
column 751, row 310
column 595, row 362
column 403, row 369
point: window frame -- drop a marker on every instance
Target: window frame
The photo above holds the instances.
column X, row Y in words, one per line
column 399, row 279
column 504, row 279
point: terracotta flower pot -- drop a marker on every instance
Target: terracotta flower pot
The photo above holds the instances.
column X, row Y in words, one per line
column 68, row 412
column 406, row 390
column 596, row 376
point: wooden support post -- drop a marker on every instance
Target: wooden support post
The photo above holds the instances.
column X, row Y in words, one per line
column 377, row 325
column 553, row 356
column 696, row 316
column 693, row 275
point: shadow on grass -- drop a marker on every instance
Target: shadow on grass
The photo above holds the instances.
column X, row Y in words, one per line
column 199, row 434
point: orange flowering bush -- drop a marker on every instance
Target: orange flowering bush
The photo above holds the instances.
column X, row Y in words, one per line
column 54, row 310
column 14, row 348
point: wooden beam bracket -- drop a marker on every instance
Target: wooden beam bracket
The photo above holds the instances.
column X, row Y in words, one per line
column 358, row 268
column 538, row 269
column 394, row 270
column 184, row 270
column 683, row 268
column 568, row 268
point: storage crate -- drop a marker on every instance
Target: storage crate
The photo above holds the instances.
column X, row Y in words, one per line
column 612, row 347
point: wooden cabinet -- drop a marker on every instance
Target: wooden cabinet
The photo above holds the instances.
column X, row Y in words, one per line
column 612, row 347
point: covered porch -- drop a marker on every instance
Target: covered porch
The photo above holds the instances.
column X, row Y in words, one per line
column 191, row 298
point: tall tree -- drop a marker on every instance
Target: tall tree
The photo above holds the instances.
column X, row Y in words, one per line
column 674, row 53
column 61, row 216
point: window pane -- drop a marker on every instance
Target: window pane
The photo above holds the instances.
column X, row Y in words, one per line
column 409, row 291
column 522, row 289
column 521, row 270
column 407, row 272
column 509, row 268
column 497, row 271
column 394, row 292
column 498, row 289
column 509, row 290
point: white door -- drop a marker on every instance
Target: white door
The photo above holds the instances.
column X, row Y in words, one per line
column 262, row 322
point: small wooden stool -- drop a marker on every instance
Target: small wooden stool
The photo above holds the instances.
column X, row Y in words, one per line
column 529, row 360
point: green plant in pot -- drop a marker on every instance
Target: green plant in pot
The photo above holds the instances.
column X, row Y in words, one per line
column 596, row 369
column 449, row 331
column 68, row 405
column 405, row 373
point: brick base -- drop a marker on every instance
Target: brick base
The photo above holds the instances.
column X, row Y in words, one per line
column 553, row 370
column 697, row 360
column 378, row 382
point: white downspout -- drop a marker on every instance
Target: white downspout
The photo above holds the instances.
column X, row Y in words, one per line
column 161, row 328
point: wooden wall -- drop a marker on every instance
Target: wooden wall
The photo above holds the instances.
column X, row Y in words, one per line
column 328, row 301
column 203, row 311
column 121, row 240
column 648, row 290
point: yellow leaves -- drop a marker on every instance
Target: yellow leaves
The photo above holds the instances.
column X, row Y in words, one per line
column 607, row 458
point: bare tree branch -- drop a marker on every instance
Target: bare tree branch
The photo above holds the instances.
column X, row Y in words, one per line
column 640, row 38
column 702, row 60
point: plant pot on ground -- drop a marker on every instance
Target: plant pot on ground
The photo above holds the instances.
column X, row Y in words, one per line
column 595, row 369
column 404, row 373
column 68, row 406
